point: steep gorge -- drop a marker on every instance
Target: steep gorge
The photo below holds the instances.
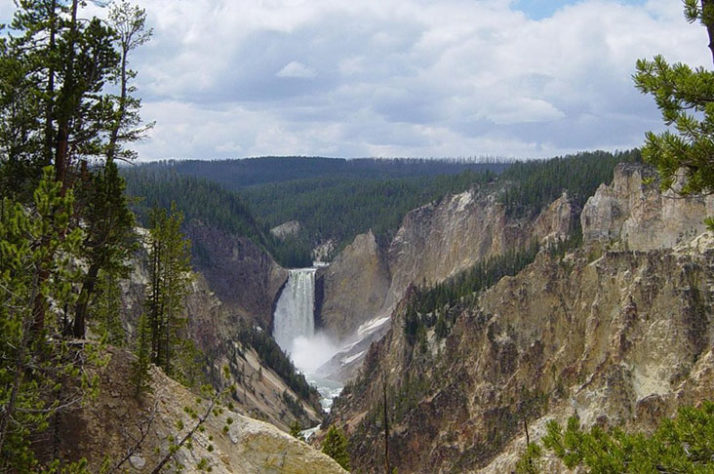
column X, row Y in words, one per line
column 227, row 334
column 435, row 242
column 618, row 331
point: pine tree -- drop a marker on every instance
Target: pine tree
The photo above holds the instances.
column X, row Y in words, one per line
column 170, row 275
column 685, row 97
column 55, row 109
column 140, row 366
column 107, row 306
column 36, row 253
column 110, row 238
column 129, row 23
column 684, row 444
column 335, row 446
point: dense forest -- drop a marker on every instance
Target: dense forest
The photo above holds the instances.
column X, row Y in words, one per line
column 196, row 198
column 343, row 198
column 238, row 174
column 529, row 186
column 333, row 199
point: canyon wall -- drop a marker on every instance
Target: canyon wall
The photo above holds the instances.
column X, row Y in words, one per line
column 243, row 276
column 216, row 330
column 434, row 242
column 352, row 289
column 632, row 213
column 618, row 336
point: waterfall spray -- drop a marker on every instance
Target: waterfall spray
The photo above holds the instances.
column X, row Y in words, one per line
column 294, row 323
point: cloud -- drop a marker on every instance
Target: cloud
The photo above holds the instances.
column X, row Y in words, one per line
column 297, row 70
column 231, row 78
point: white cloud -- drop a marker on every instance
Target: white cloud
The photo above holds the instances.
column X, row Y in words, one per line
column 296, row 69
column 403, row 77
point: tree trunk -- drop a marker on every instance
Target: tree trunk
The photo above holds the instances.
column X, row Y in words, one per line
column 49, row 129
column 62, row 158
column 708, row 20
column 80, row 312
column 114, row 136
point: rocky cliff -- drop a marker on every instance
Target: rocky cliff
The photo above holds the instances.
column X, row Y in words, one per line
column 243, row 276
column 441, row 239
column 353, row 288
column 618, row 337
column 632, row 213
column 116, row 426
column 434, row 242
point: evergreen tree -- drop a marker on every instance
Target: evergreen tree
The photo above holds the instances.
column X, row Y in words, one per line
column 685, row 97
column 36, row 253
column 107, row 305
column 170, row 275
column 335, row 446
column 109, row 237
column 140, row 366
column 129, row 23
column 55, row 69
column 64, row 222
column 684, row 444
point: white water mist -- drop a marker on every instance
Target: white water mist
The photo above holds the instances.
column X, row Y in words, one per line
column 294, row 323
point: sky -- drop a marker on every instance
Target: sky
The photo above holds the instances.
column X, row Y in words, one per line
column 402, row 78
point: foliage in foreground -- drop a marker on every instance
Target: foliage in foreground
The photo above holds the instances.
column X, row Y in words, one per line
column 679, row 445
column 685, row 96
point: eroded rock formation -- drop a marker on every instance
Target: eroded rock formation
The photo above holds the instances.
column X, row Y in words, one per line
column 434, row 242
column 353, row 287
column 243, row 276
column 633, row 214
column 615, row 335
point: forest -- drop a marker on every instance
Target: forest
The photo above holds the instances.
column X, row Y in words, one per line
column 349, row 197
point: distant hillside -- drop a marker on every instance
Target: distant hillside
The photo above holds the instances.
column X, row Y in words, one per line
column 333, row 199
column 338, row 209
column 198, row 199
column 336, row 199
column 239, row 174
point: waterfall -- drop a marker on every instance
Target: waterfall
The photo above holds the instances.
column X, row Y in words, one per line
column 294, row 314
column 294, row 323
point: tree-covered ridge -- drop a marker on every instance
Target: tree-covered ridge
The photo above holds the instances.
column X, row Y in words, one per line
column 195, row 198
column 238, row 174
column 529, row 186
column 341, row 208
column 344, row 198
column 331, row 207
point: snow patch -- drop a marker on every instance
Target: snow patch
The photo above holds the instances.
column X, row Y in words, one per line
column 371, row 326
column 347, row 360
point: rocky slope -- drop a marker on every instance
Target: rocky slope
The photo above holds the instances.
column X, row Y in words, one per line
column 115, row 426
column 215, row 329
column 243, row 276
column 434, row 242
column 353, row 287
column 633, row 214
column 615, row 335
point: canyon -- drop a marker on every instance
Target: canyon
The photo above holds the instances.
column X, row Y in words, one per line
column 615, row 329
column 617, row 332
